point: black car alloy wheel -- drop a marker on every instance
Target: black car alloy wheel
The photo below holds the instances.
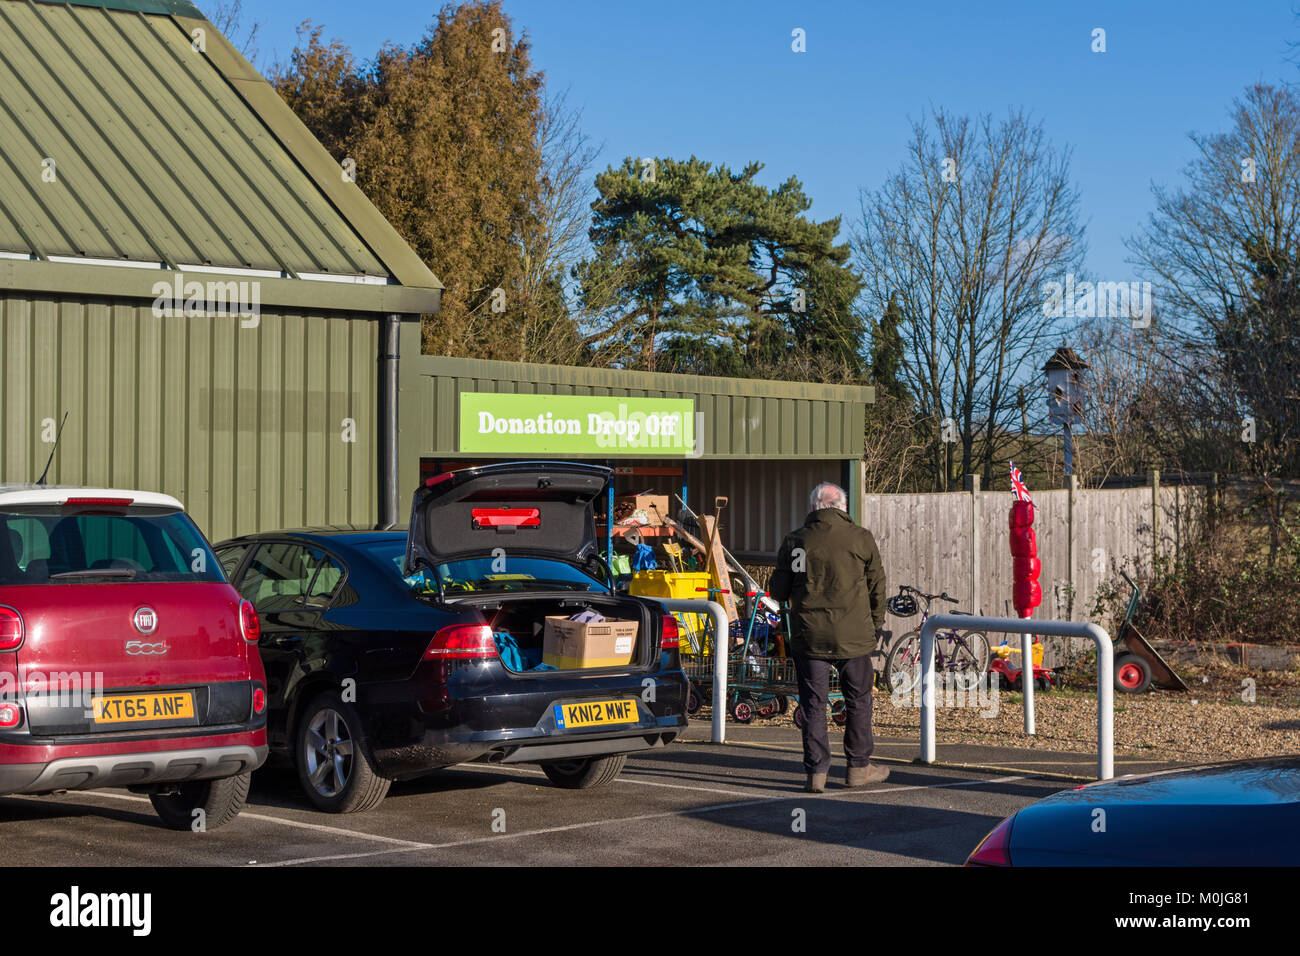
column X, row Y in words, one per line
column 334, row 764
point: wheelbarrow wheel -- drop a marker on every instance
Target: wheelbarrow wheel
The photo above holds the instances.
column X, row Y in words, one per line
column 693, row 700
column 838, row 713
column 1132, row 674
column 769, row 708
column 799, row 717
column 782, row 704
column 742, row 711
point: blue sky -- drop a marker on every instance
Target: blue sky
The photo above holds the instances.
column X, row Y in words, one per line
column 719, row 80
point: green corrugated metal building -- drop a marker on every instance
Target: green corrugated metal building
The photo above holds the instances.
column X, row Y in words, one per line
column 138, row 147
column 762, row 444
column 148, row 177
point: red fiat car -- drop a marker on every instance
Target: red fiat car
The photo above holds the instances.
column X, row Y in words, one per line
column 126, row 659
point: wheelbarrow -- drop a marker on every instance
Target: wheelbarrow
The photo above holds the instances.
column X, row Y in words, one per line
column 1138, row 665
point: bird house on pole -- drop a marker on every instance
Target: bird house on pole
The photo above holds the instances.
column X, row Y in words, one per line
column 1065, row 386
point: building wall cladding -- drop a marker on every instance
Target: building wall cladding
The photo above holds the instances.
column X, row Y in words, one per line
column 784, row 419
column 244, row 425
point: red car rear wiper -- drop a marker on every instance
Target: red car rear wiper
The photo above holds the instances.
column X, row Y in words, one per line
column 94, row 573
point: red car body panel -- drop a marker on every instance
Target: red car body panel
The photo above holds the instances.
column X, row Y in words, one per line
column 87, row 628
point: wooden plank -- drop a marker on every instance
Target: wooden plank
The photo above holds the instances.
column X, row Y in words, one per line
column 721, row 577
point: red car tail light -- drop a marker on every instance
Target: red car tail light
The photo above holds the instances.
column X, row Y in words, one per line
column 995, row 849
column 248, row 622
column 11, row 629
column 259, row 699
column 98, row 502
column 462, row 642
column 671, row 637
column 506, row 517
column 11, row 715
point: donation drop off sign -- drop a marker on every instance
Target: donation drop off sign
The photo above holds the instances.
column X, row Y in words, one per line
column 576, row 424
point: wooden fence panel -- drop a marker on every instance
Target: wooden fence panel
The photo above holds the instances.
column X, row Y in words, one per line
column 927, row 540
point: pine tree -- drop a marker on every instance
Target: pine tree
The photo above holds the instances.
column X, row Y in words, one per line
column 887, row 351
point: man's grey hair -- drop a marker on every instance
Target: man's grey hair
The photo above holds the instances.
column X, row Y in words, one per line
column 827, row 495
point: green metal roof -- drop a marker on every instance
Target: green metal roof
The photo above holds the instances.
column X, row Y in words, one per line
column 164, row 154
column 179, row 7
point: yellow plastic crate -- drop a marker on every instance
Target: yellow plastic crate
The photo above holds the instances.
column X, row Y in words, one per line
column 675, row 584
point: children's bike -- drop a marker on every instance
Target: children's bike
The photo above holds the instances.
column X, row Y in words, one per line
column 963, row 654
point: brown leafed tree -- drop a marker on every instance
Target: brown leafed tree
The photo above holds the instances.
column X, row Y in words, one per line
column 445, row 137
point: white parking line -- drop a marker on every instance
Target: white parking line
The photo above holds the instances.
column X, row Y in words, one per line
column 690, row 811
column 623, row 778
column 245, row 815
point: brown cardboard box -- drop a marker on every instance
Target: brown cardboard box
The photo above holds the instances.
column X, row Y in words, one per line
column 655, row 514
column 569, row 645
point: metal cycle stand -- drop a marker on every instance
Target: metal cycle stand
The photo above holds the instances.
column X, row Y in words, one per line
column 1011, row 625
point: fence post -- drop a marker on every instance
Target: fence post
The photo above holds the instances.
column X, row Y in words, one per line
column 1212, row 501
column 1072, row 502
column 1153, row 477
column 973, row 486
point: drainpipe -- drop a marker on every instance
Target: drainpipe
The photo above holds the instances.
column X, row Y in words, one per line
column 389, row 349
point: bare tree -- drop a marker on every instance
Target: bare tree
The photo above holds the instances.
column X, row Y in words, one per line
column 227, row 16
column 1224, row 251
column 980, row 216
column 554, row 322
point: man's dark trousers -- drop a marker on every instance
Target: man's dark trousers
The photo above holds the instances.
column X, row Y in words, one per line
column 856, row 677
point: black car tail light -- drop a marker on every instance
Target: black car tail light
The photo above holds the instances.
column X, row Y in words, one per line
column 11, row 629
column 994, row 849
column 462, row 642
column 671, row 637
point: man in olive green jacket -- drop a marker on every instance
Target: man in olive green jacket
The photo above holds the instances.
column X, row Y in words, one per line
column 830, row 572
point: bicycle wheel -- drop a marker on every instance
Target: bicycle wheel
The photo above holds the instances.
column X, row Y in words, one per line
column 903, row 665
column 966, row 657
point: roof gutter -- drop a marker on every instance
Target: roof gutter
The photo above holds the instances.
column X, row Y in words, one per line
column 63, row 278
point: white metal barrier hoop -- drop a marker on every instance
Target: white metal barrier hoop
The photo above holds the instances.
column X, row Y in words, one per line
column 721, row 649
column 1012, row 625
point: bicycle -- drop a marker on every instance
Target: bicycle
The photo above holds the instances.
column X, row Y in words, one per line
column 964, row 654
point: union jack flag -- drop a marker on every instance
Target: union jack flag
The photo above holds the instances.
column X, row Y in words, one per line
column 1018, row 484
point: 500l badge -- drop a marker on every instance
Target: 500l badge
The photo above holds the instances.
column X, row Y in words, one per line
column 140, row 647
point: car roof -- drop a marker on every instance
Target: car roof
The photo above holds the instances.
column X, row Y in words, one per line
column 339, row 534
column 34, row 494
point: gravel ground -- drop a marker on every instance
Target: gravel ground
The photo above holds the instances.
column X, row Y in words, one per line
column 1211, row 722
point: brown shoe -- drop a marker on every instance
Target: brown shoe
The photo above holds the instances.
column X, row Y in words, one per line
column 816, row 783
column 863, row 776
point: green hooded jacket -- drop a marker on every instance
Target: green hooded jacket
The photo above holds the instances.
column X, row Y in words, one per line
column 830, row 572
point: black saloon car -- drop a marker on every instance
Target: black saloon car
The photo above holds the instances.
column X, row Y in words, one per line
column 389, row 655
